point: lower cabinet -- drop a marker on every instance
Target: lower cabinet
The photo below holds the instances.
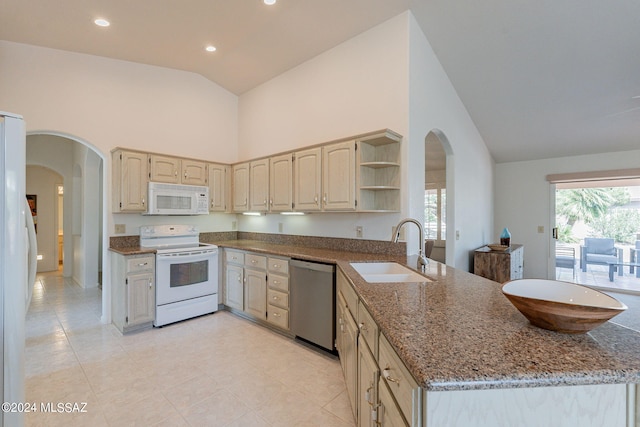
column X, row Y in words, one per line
column 258, row 285
column 381, row 390
column 133, row 291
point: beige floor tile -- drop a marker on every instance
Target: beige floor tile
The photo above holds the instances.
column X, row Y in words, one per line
column 191, row 392
column 250, row 419
column 149, row 411
column 341, row 407
column 220, row 409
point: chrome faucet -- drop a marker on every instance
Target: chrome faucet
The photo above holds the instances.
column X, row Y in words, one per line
column 422, row 260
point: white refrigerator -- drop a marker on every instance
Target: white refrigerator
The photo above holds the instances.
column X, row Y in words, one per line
column 17, row 262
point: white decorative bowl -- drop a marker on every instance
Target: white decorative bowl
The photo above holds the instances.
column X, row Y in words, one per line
column 561, row 306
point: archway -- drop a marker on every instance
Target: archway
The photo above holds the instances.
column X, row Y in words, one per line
column 82, row 167
column 439, row 195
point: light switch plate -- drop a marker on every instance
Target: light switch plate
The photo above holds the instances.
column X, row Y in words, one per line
column 120, row 228
column 359, row 231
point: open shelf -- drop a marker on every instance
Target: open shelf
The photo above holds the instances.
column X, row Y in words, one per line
column 379, row 172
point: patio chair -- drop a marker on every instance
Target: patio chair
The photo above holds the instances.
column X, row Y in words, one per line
column 635, row 258
column 566, row 258
column 599, row 251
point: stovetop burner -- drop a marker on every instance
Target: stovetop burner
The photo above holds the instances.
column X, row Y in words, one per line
column 171, row 237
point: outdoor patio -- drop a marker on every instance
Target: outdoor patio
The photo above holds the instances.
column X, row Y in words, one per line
column 598, row 276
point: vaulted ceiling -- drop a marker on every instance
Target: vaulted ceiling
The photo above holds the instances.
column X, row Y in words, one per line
column 540, row 79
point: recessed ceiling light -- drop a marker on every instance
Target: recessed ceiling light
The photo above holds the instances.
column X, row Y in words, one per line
column 210, row 48
column 269, row 2
column 101, row 22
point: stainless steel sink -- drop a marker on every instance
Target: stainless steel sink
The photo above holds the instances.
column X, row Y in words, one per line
column 387, row 272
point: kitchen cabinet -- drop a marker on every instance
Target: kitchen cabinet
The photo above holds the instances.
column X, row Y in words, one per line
column 278, row 292
column 308, row 180
column 259, row 185
column 240, row 181
column 130, row 179
column 379, row 172
column 500, row 266
column 259, row 286
column 380, row 388
column 281, row 183
column 368, row 374
column 218, row 187
column 175, row 170
column 133, row 288
column 339, row 176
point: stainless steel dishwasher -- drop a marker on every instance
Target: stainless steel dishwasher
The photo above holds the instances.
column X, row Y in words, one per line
column 313, row 289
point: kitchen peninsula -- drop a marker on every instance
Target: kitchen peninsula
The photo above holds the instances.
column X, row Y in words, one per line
column 475, row 360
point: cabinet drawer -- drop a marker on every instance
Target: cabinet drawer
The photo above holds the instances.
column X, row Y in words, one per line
column 255, row 261
column 397, row 377
column 368, row 329
column 143, row 263
column 278, row 265
column 234, row 257
column 278, row 282
column 348, row 294
column 277, row 298
column 278, row 316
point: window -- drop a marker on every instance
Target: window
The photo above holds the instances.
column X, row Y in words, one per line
column 435, row 208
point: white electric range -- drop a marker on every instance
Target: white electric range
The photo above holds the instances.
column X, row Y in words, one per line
column 186, row 272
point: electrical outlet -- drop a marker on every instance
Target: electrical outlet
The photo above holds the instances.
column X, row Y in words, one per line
column 541, row 229
column 358, row 231
column 121, row 228
column 234, row 225
column 280, row 227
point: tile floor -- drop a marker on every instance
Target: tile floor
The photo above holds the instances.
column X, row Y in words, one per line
column 216, row 370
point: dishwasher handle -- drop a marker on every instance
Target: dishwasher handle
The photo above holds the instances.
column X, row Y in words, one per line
column 328, row 268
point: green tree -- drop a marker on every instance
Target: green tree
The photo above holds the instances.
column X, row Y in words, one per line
column 588, row 204
column 620, row 224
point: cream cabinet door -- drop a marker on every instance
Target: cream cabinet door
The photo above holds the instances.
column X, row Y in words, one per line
column 368, row 374
column 308, row 180
column 259, row 185
column 140, row 298
column 130, row 180
column 349, row 356
column 164, row 169
column 240, row 177
column 388, row 412
column 217, row 187
column 339, row 176
column 255, row 293
column 193, row 172
column 234, row 287
column 281, row 183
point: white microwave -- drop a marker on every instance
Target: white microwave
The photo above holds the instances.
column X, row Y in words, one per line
column 177, row 199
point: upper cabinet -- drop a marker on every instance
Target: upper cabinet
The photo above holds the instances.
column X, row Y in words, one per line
column 130, row 178
column 339, row 176
column 307, row 186
column 174, row 170
column 259, row 185
column 240, row 179
column 379, row 172
column 281, row 183
column 218, row 187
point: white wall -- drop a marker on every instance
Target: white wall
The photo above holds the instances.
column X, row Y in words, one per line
column 523, row 200
column 359, row 86
column 109, row 103
column 43, row 183
column 435, row 105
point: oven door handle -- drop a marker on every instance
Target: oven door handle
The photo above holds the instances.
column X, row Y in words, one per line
column 189, row 256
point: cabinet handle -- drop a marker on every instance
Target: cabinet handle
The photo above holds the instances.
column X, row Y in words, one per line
column 271, row 202
column 275, row 298
column 387, row 376
column 150, row 283
column 175, row 173
column 253, row 261
column 315, row 199
column 363, row 327
column 185, row 174
column 142, row 264
column 143, row 201
column 275, row 315
column 276, row 266
column 245, row 202
column 367, row 395
column 275, row 282
column 324, row 199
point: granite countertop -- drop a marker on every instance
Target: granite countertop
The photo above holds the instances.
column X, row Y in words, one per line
column 459, row 332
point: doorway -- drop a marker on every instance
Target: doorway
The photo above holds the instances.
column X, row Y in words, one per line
column 597, row 234
column 437, row 171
